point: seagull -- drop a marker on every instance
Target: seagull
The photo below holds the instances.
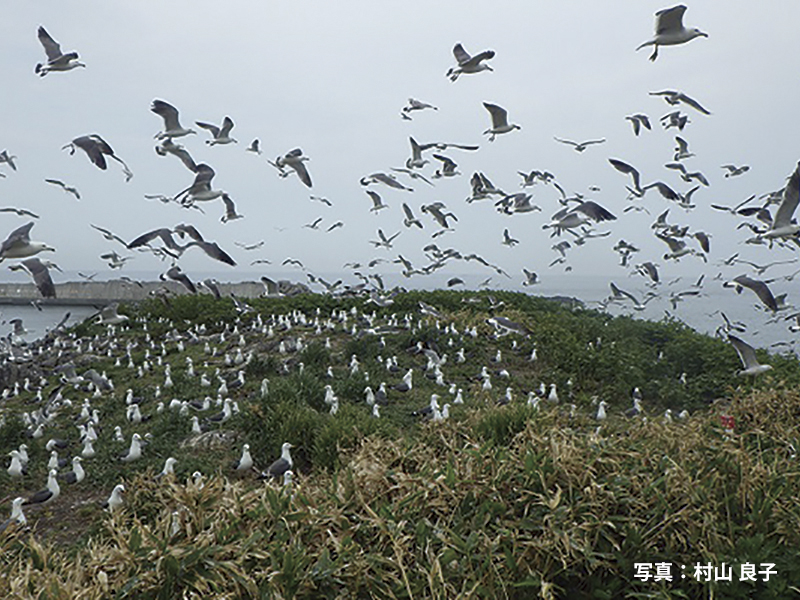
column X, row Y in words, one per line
column 7, row 158
column 760, row 288
column 336, row 225
column 294, row 159
column 674, row 98
column 410, row 218
column 417, row 105
column 674, row 119
column 377, row 202
column 531, row 278
column 17, row 516
column 582, row 214
column 499, row 121
column 22, row 212
column 435, row 210
column 77, row 474
column 638, row 121
column 748, row 357
column 733, row 170
column 18, row 244
column 627, row 169
column 135, row 449
column 97, row 149
column 109, row 315
column 468, row 64
column 220, row 135
column 175, row 274
column 200, row 190
column 670, row 30
column 686, row 175
column 254, row 147
column 56, row 60
column 115, row 499
column 167, row 146
column 416, row 161
column 172, row 124
column 783, row 226
column 682, row 149
column 580, row 147
column 385, row 179
column 384, row 241
column 321, row 199
column 508, row 240
column 280, row 466
column 65, row 187
column 449, row 167
column 245, row 462
column 230, row 209
column 41, row 276
column 48, row 494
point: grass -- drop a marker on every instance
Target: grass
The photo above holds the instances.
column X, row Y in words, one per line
column 497, row 502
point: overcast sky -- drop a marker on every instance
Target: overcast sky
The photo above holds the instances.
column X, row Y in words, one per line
column 331, row 78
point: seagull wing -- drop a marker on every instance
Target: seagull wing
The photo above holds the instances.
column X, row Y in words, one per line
column 627, row 169
column 594, row 211
column 499, row 115
column 301, row 171
column 791, row 196
column 93, row 149
column 169, row 113
column 745, row 351
column 212, row 128
column 51, row 47
column 670, row 19
column 41, row 277
column 693, row 103
column 461, row 55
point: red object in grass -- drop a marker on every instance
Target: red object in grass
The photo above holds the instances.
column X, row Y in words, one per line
column 728, row 422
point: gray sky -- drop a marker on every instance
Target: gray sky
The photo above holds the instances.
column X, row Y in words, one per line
column 331, row 78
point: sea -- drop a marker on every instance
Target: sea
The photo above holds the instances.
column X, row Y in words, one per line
column 702, row 312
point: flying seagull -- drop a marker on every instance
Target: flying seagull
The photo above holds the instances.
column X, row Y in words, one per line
column 220, row 135
column 18, row 244
column 56, row 60
column 293, row 159
column 627, row 169
column 41, row 276
column 97, row 149
column 733, row 170
column 67, row 188
column 580, row 146
column 385, row 179
column 254, row 147
column 410, row 218
column 748, row 357
column 172, row 124
column 670, row 30
column 499, row 121
column 638, row 121
column 468, row 64
column 582, row 214
column 7, row 158
column 673, row 98
column 22, row 212
column 783, row 226
column 760, row 288
column 377, row 202
column 167, row 146
column 417, row 105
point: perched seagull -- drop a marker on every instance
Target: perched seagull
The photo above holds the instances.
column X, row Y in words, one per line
column 18, row 244
column 674, row 98
column 254, row 147
column 97, row 149
column 172, row 124
column 115, row 499
column 135, row 449
column 77, row 474
column 7, row 158
column 280, row 466
column 468, row 64
column 580, row 146
column 638, row 121
column 48, row 494
column 245, row 462
column 17, row 516
column 499, row 121
column 56, row 60
column 293, row 159
column 748, row 357
column 41, row 276
column 220, row 135
column 67, row 188
column 670, row 30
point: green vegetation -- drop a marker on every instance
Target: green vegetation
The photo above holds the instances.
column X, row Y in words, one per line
column 496, row 502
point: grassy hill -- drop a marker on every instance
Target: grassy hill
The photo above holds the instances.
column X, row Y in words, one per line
column 501, row 500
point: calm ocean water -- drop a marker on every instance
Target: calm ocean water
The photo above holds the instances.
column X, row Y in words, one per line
column 699, row 312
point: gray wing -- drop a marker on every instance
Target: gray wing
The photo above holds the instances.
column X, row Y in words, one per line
column 499, row 114
column 693, row 103
column 94, row 150
column 670, row 19
column 594, row 211
column 791, row 195
column 227, row 125
column 41, row 277
column 51, row 47
column 745, row 351
column 461, row 55
column 167, row 112
column 302, row 172
column 212, row 128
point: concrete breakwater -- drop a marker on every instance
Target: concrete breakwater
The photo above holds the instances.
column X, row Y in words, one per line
column 104, row 292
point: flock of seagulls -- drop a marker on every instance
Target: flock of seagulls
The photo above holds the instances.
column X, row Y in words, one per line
column 577, row 220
